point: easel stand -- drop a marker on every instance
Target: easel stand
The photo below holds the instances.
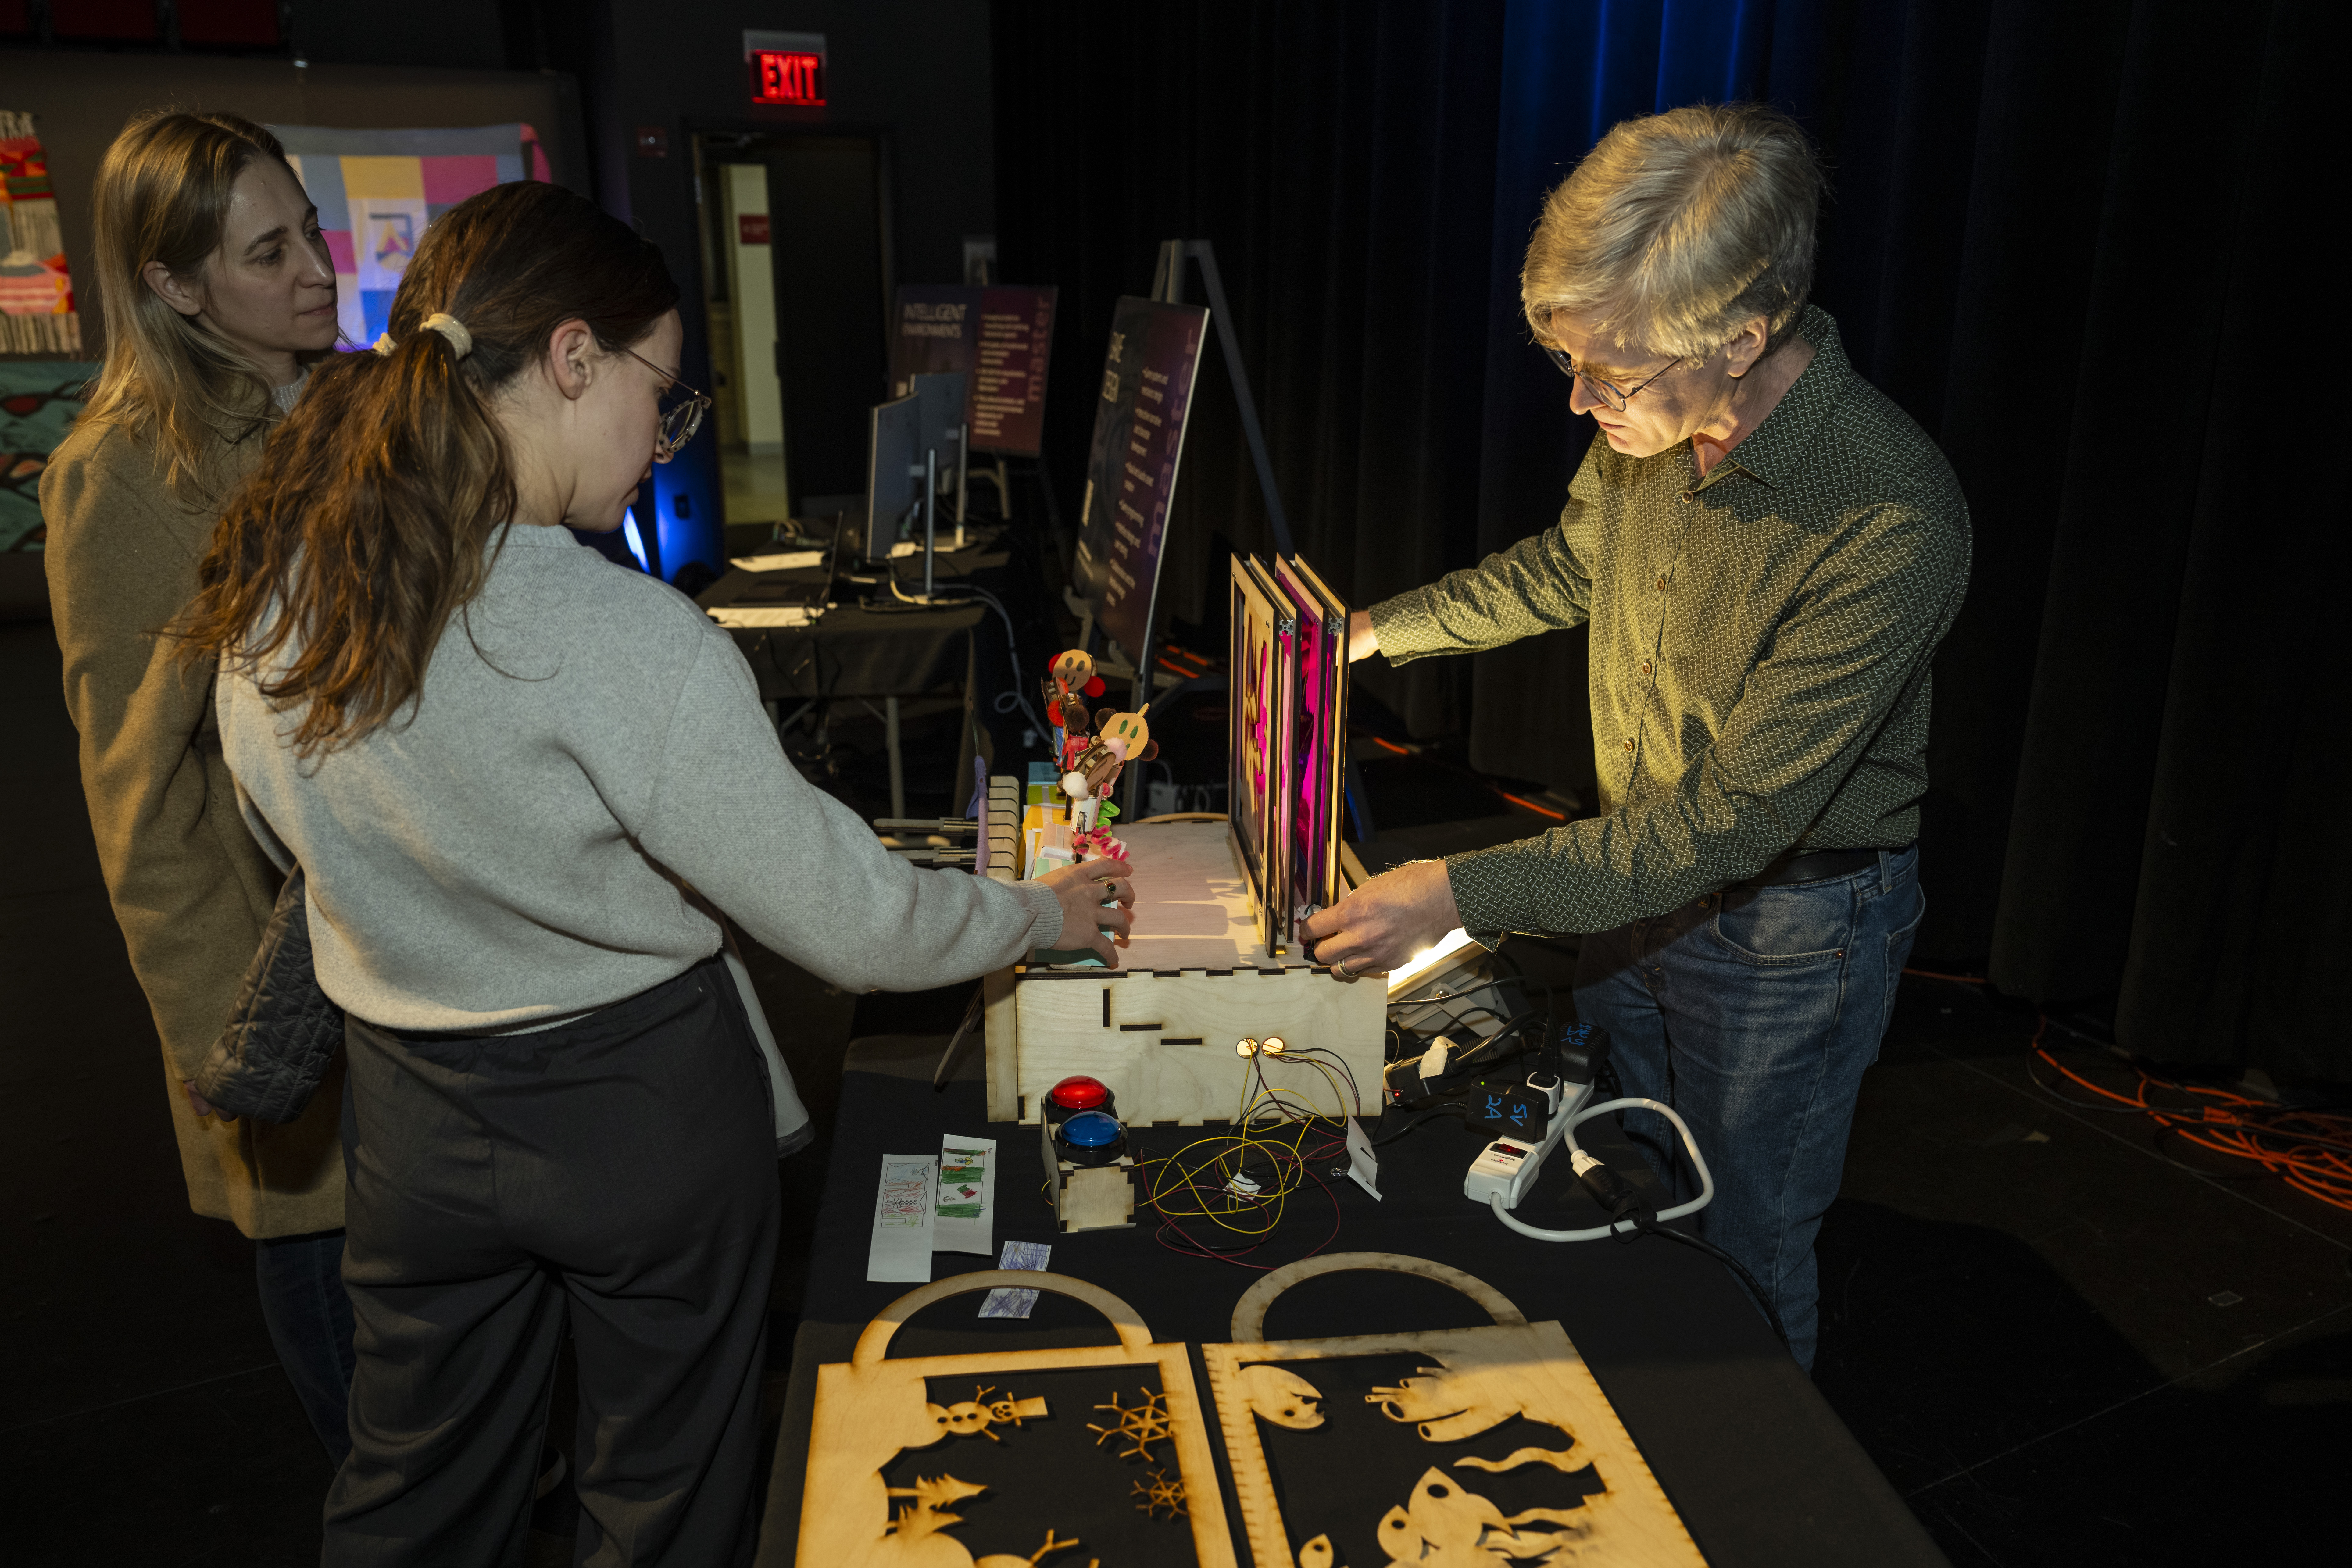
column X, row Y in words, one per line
column 1168, row 285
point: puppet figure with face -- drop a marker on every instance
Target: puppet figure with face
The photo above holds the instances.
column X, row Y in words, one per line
column 1070, row 682
column 1121, row 739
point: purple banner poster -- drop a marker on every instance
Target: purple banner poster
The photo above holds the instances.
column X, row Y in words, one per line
column 1147, row 392
column 1000, row 337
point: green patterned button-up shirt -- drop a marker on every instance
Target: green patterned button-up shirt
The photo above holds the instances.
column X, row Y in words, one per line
column 1760, row 645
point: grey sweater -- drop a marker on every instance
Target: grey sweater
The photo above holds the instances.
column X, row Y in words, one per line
column 510, row 851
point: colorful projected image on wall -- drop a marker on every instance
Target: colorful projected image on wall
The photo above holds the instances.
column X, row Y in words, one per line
column 39, row 400
column 36, row 301
column 377, row 191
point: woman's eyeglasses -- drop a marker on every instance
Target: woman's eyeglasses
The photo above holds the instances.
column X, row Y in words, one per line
column 681, row 415
column 1616, row 397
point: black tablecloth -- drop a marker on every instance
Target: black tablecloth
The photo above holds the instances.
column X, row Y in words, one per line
column 1758, row 1466
column 887, row 649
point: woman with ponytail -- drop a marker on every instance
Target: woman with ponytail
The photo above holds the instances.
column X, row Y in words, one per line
column 217, row 290
column 520, row 780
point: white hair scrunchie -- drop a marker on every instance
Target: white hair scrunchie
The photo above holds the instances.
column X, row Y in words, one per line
column 441, row 321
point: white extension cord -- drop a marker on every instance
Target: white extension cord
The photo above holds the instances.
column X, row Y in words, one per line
column 1567, row 1132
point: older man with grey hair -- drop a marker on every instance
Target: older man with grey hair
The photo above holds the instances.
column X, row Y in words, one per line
column 1767, row 550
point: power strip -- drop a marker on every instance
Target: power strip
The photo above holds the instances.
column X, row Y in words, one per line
column 1505, row 1168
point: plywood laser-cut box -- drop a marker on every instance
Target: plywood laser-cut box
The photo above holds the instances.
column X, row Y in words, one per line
column 1160, row 1031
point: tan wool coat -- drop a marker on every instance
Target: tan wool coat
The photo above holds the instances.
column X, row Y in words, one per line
column 190, row 886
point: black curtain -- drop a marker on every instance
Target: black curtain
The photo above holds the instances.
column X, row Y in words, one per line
column 1352, row 242
column 2080, row 243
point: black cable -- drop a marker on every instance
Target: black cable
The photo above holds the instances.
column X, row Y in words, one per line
column 1624, row 1204
column 1443, row 1108
column 1476, row 1057
column 2069, row 1101
column 1651, row 1227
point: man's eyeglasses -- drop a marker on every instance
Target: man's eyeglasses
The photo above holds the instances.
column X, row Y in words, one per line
column 681, row 415
column 1616, row 397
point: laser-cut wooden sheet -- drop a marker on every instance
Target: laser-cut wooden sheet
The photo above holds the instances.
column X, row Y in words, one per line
column 991, row 1461
column 1480, row 1447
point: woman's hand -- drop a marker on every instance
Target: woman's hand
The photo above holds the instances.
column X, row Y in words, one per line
column 1082, row 888
column 1388, row 920
column 203, row 1107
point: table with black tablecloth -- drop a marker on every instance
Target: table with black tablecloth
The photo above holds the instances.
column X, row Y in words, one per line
column 878, row 650
column 1760, row 1469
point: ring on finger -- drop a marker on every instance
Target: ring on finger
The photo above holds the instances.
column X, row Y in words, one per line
column 1339, row 970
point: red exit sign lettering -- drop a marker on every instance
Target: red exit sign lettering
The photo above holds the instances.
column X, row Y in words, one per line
column 788, row 77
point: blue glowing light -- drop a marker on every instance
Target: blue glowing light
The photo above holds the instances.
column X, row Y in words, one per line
column 637, row 542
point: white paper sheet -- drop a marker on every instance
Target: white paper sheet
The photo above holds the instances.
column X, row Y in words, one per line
column 783, row 560
column 901, row 1248
column 1008, row 1301
column 967, row 1202
column 750, row 616
column 1362, row 1166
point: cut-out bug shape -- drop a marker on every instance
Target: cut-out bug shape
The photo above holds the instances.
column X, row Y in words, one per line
column 974, row 1416
column 1139, row 1425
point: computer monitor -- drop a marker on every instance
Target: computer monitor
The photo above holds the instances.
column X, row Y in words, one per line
column 943, row 399
column 894, row 468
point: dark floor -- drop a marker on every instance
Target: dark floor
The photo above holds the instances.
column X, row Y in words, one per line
column 2064, row 1344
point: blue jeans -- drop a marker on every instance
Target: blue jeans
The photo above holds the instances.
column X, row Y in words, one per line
column 309, row 1319
column 1753, row 1012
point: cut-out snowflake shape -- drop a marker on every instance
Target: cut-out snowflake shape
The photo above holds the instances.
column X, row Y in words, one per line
column 1139, row 1425
column 1161, row 1492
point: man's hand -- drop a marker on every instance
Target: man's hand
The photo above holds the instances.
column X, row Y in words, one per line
column 1362, row 643
column 1388, row 920
column 1082, row 888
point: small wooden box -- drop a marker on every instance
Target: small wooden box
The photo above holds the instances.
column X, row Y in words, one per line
column 1089, row 1197
column 1161, row 1030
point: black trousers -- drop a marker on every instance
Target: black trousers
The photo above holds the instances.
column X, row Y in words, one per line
column 617, row 1172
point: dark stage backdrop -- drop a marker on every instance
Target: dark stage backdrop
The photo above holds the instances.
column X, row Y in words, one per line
column 2076, row 242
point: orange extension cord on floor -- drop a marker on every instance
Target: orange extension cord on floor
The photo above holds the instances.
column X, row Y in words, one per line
column 2311, row 1151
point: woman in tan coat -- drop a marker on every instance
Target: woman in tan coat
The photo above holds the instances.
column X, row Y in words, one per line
column 216, row 285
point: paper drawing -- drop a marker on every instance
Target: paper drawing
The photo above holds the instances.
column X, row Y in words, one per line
column 903, row 1184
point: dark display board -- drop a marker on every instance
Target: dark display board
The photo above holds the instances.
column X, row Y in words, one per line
column 1000, row 337
column 1147, row 393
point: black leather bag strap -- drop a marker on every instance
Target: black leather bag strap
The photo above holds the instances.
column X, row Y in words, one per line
column 284, row 1032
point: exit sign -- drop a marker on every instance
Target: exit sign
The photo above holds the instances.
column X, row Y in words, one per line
column 786, row 67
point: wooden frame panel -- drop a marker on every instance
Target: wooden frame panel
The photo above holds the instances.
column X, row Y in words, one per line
column 1481, row 1378
column 1261, row 698
column 1319, row 768
column 870, row 1409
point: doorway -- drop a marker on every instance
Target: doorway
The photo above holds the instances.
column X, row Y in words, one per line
column 797, row 277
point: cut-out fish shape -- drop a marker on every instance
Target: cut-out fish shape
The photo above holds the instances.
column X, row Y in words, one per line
column 1444, row 1526
column 1282, row 1397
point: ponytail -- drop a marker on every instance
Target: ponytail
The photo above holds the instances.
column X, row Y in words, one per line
column 371, row 519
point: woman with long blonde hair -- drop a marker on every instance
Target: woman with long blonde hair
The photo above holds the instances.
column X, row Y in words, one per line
column 217, row 290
